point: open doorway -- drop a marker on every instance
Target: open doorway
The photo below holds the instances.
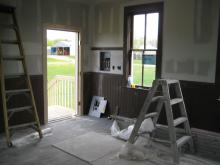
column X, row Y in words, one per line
column 62, row 61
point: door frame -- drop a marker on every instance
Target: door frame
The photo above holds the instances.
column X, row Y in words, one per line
column 78, row 67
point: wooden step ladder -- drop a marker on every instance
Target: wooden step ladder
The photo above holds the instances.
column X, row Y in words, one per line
column 8, row 94
column 164, row 99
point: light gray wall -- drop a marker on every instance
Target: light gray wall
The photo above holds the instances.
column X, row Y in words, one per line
column 189, row 49
column 190, row 39
column 34, row 14
column 189, row 36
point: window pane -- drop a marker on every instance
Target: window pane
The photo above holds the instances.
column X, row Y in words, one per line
column 138, row 33
column 137, row 67
column 149, row 61
column 152, row 30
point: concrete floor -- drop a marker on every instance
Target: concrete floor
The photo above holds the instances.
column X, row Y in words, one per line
column 43, row 153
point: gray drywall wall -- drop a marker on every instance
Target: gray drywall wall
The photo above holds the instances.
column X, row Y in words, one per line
column 190, row 33
column 190, row 40
column 34, row 15
column 106, row 30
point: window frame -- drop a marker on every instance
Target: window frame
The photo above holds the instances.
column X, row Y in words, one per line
column 129, row 12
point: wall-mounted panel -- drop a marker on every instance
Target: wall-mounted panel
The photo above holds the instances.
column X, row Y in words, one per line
column 116, row 61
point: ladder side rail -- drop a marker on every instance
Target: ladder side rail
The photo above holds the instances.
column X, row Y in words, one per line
column 158, row 110
column 170, row 121
column 179, row 94
column 142, row 113
column 183, row 109
column 184, row 113
column 4, row 101
column 21, row 48
column 155, row 119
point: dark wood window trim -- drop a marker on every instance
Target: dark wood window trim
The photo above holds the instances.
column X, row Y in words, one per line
column 129, row 12
column 217, row 72
column 108, row 48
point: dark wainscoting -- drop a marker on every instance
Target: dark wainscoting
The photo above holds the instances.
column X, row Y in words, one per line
column 202, row 105
column 113, row 88
column 200, row 98
column 37, row 84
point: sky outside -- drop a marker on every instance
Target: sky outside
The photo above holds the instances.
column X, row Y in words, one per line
column 57, row 34
column 151, row 29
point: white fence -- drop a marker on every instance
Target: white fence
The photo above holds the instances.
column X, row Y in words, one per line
column 61, row 92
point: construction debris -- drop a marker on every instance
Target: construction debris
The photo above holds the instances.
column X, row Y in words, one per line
column 147, row 126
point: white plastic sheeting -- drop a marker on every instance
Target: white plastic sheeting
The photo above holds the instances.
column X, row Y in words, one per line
column 136, row 151
column 147, row 126
column 121, row 134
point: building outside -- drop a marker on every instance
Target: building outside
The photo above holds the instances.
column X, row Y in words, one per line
column 65, row 48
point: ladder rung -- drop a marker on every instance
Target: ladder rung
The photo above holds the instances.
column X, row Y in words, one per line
column 22, row 125
column 183, row 140
column 7, row 26
column 13, row 58
column 14, row 75
column 19, row 109
column 161, row 140
column 17, row 91
column 179, row 121
column 172, row 81
column 9, row 42
column 176, row 101
column 153, row 114
column 157, row 98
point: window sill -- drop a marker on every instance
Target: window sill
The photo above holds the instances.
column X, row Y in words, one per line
column 138, row 88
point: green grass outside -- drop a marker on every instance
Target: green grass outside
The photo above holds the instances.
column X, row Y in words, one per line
column 60, row 67
column 64, row 66
column 149, row 73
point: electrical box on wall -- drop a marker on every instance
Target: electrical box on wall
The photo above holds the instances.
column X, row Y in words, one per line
column 105, row 61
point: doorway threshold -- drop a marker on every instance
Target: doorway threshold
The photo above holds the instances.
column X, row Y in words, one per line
column 59, row 113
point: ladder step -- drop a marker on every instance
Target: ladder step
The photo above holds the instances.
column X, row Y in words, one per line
column 183, row 140
column 22, row 125
column 17, row 91
column 161, row 140
column 153, row 114
column 172, row 81
column 179, row 121
column 20, row 109
column 9, row 42
column 13, row 58
column 14, row 75
column 156, row 98
column 176, row 101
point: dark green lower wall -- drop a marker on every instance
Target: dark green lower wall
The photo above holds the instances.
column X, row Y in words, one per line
column 200, row 98
column 37, row 84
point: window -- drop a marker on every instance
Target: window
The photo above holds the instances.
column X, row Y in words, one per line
column 143, row 43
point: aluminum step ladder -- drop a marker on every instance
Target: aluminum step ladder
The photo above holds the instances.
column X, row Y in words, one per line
column 9, row 94
column 164, row 100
